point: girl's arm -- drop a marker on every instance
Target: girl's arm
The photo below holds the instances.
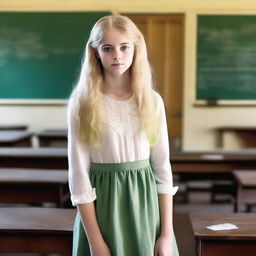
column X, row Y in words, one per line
column 166, row 214
column 159, row 157
column 98, row 246
column 79, row 162
column 164, row 243
column 83, row 194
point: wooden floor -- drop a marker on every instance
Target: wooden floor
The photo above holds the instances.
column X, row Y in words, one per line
column 199, row 202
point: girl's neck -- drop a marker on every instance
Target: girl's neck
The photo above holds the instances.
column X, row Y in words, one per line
column 118, row 87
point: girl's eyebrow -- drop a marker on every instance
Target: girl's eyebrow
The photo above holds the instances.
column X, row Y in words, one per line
column 104, row 45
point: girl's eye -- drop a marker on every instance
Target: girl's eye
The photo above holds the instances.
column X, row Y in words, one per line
column 107, row 49
column 124, row 47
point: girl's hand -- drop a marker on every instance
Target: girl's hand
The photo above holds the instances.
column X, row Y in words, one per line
column 101, row 249
column 163, row 246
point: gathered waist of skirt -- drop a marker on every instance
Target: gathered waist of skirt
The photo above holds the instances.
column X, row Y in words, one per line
column 125, row 166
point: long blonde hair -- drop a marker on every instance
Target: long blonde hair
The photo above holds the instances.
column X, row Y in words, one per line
column 87, row 94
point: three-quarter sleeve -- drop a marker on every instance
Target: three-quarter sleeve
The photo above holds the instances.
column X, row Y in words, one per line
column 79, row 164
column 159, row 155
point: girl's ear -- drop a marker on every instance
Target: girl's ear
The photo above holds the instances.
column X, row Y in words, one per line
column 97, row 54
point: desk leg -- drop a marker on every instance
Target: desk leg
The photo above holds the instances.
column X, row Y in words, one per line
column 238, row 199
column 61, row 193
column 236, row 206
column 248, row 208
column 198, row 248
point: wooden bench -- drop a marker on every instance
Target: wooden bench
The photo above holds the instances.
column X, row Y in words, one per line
column 246, row 188
column 54, row 138
column 33, row 186
column 36, row 230
column 15, row 138
column 42, row 158
column 235, row 242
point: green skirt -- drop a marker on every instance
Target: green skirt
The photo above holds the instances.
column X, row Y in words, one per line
column 127, row 210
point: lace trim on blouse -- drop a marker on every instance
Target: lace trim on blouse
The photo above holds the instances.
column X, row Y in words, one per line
column 121, row 115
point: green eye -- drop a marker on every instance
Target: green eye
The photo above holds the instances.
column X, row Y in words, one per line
column 107, row 49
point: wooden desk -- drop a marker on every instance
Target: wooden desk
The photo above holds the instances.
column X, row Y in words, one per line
column 246, row 133
column 13, row 127
column 216, row 166
column 201, row 165
column 15, row 138
column 186, row 163
column 246, row 189
column 212, row 165
column 44, row 158
column 36, row 230
column 52, row 137
column 237, row 242
column 30, row 186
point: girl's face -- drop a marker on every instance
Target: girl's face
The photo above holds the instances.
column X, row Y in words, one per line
column 115, row 52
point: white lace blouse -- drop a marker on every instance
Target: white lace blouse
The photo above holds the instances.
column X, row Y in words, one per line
column 123, row 140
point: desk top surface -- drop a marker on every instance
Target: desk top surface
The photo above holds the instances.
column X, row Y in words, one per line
column 43, row 152
column 210, row 156
column 13, row 127
column 36, row 220
column 237, row 128
column 214, row 156
column 32, row 176
column 13, row 136
column 246, row 226
column 245, row 178
column 60, row 133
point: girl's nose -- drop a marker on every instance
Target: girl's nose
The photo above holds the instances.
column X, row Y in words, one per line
column 117, row 55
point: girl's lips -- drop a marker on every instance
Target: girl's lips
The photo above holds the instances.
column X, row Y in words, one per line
column 117, row 64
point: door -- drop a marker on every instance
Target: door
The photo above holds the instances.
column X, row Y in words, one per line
column 164, row 39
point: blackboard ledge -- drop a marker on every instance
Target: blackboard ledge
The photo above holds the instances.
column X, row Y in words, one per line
column 224, row 103
column 37, row 102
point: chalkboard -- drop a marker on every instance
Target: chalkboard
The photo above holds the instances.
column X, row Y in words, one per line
column 226, row 57
column 41, row 52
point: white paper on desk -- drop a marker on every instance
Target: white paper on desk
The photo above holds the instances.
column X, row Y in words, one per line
column 224, row 226
column 212, row 157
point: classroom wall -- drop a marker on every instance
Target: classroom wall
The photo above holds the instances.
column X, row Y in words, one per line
column 198, row 122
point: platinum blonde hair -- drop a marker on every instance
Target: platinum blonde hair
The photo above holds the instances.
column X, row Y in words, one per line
column 87, row 94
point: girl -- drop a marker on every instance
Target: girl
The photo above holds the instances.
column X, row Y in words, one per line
column 119, row 172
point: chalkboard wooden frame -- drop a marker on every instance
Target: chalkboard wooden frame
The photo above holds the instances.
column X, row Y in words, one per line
column 54, row 40
column 216, row 101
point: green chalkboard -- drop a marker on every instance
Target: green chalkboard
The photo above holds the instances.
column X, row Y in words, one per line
column 41, row 52
column 226, row 57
